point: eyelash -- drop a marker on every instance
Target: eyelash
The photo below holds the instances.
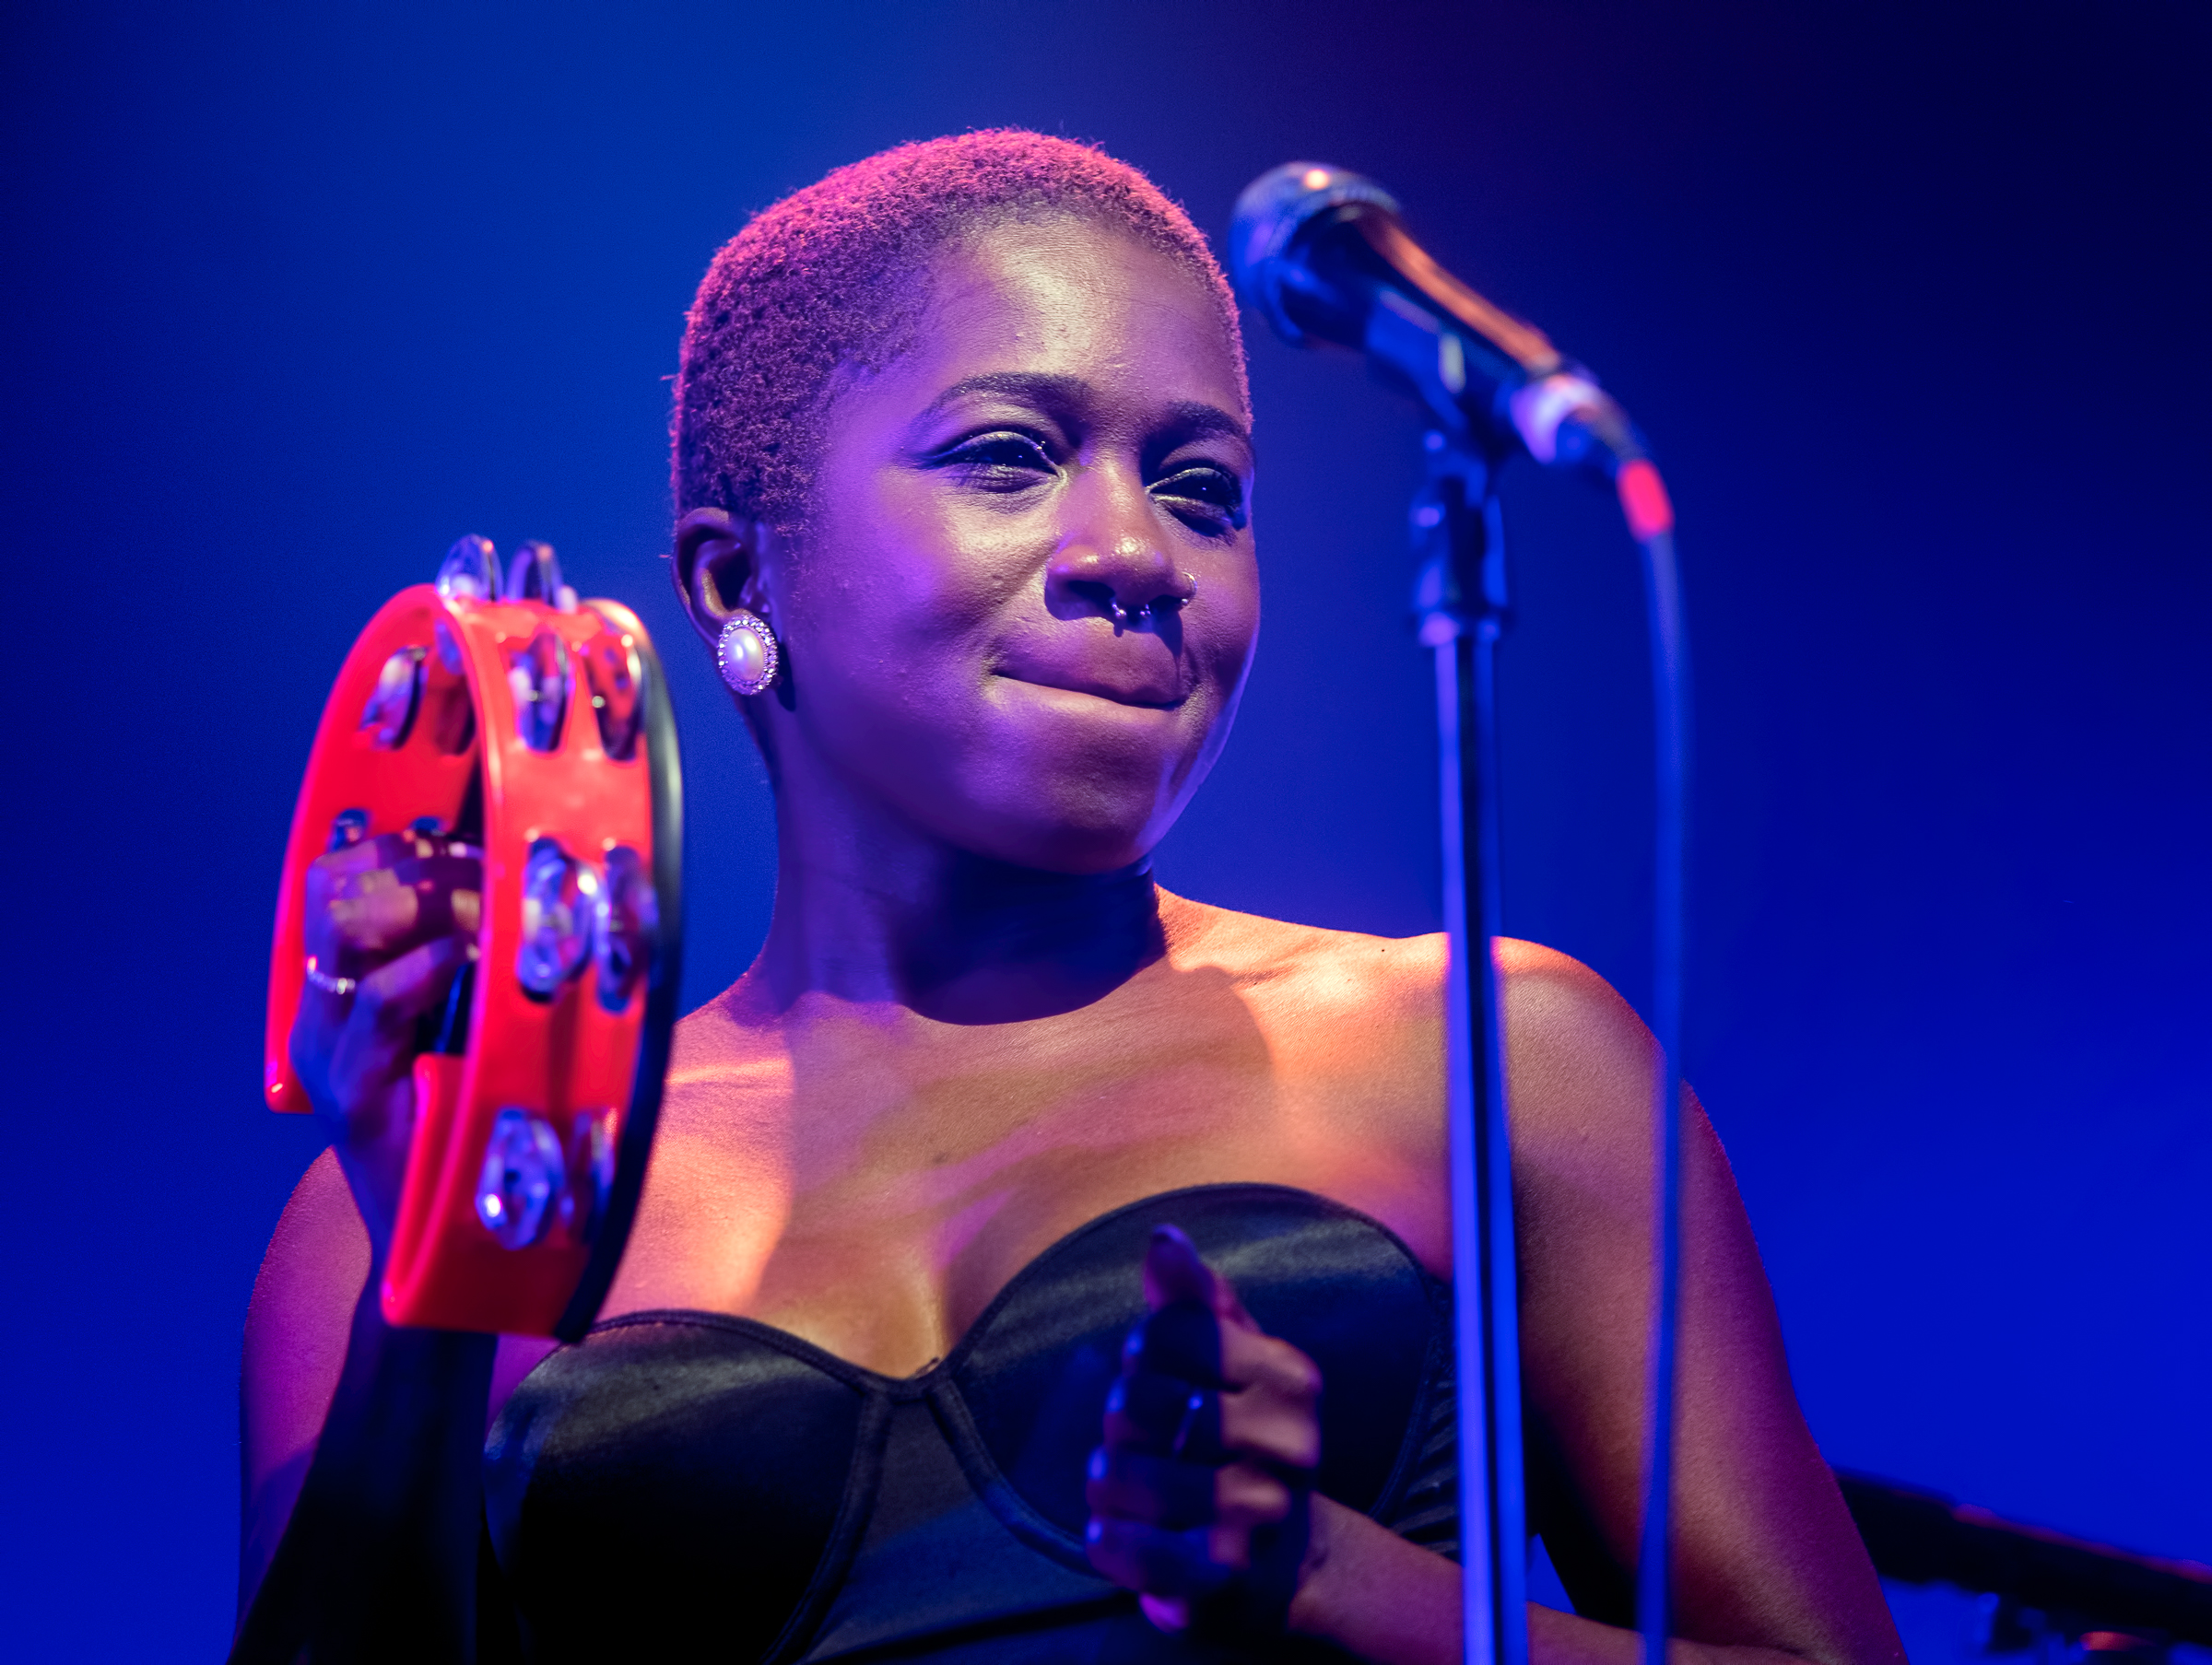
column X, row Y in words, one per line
column 998, row 456
column 1219, row 494
column 1009, row 462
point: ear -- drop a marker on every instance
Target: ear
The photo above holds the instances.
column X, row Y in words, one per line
column 717, row 568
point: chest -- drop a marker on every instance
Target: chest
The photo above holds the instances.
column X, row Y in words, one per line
column 872, row 1191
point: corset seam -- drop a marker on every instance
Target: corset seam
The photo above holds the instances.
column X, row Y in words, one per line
column 864, row 1479
column 1010, row 1508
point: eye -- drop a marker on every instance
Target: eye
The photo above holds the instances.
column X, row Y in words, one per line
column 1204, row 495
column 1004, row 460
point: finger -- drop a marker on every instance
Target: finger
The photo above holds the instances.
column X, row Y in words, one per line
column 1158, row 1491
column 1246, row 1498
column 1254, row 1362
column 1170, row 1613
column 449, row 890
column 457, row 864
column 399, row 846
column 1173, row 1271
column 1190, row 1564
column 385, row 850
column 1275, row 1403
column 1165, row 1415
column 1152, row 1559
column 1274, row 1417
column 1239, row 1498
column 373, row 1046
column 348, row 858
column 1181, row 1338
column 388, row 910
column 393, row 997
column 1270, row 1431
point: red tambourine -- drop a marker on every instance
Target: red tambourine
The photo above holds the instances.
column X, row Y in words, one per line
column 516, row 718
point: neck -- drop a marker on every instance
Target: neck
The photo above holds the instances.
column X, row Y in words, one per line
column 953, row 936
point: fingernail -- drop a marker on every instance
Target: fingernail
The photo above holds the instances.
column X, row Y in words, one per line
column 1093, row 1530
column 1167, row 1612
column 1097, row 1463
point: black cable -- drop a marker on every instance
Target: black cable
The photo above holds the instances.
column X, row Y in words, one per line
column 1650, row 520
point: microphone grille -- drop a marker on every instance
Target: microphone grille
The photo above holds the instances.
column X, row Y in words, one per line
column 1269, row 215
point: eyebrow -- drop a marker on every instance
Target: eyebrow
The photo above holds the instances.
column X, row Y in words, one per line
column 1192, row 418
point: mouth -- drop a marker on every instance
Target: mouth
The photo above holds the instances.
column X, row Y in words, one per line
column 1142, row 694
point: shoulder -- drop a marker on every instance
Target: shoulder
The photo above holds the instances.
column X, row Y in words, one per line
column 1355, row 1025
column 1571, row 1039
column 1308, row 970
column 1563, row 1019
column 1583, row 1070
column 1578, row 1058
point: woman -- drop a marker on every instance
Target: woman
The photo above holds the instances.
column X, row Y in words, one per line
column 965, row 430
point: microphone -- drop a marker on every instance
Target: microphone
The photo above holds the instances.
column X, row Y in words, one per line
column 1322, row 255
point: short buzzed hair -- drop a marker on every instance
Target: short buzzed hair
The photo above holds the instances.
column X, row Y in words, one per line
column 824, row 280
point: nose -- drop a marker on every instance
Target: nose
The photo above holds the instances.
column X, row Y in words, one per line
column 1129, row 579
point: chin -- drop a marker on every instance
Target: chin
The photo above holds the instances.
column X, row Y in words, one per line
column 1070, row 783
column 1053, row 781
column 1055, row 837
column 1072, row 815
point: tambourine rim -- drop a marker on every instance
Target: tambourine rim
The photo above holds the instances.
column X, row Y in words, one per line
column 664, row 979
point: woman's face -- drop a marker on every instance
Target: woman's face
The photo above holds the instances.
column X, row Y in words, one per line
column 1023, row 608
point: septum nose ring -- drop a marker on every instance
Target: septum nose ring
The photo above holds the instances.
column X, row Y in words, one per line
column 1125, row 618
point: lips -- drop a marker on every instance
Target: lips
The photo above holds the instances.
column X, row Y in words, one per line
column 1150, row 679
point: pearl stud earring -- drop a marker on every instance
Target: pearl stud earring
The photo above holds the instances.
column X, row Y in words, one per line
column 747, row 655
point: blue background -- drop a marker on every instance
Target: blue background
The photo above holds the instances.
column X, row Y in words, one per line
column 1911, row 297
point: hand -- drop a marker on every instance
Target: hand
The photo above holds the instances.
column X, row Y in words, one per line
column 1200, row 1497
column 398, row 914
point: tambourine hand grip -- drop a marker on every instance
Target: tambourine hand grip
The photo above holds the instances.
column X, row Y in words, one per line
column 438, row 1078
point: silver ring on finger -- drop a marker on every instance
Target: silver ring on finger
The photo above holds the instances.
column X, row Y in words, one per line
column 1194, row 1428
column 328, row 982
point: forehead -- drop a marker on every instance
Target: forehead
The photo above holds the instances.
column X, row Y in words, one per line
column 1070, row 299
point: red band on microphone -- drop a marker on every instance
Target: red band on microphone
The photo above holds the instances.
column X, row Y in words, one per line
column 1643, row 500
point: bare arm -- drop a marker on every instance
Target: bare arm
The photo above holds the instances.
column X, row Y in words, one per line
column 1769, row 1568
column 297, row 1331
column 361, row 1442
column 362, row 1509
column 1766, row 1559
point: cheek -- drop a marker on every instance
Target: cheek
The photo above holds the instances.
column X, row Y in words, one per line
column 873, row 653
column 890, row 629
column 895, row 564
column 1225, row 622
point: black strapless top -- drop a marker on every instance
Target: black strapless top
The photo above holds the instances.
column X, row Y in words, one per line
column 686, row 1485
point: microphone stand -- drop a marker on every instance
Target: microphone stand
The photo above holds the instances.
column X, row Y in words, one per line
column 1322, row 255
column 1459, row 603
